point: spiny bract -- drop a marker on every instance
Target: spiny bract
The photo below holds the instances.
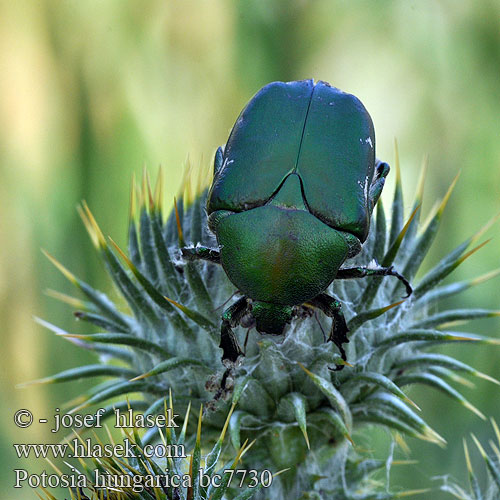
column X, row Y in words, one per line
column 476, row 490
column 166, row 335
column 163, row 471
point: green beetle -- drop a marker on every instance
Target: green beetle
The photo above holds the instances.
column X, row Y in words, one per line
column 291, row 199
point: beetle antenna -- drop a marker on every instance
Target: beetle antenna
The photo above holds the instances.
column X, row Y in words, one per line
column 320, row 325
column 227, row 301
column 246, row 341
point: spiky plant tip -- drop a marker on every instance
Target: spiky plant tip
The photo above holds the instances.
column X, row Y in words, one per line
column 485, row 490
column 161, row 472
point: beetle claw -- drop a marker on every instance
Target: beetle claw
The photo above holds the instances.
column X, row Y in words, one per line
column 406, row 283
column 409, row 289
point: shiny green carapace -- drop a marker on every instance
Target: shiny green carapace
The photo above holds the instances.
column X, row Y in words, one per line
column 291, row 199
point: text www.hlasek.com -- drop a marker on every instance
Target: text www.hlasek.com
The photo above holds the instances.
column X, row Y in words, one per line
column 86, row 449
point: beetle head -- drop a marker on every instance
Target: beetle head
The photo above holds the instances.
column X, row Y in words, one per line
column 271, row 318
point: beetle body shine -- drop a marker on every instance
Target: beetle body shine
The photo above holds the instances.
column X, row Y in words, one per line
column 291, row 199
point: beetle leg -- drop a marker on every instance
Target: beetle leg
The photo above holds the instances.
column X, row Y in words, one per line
column 201, row 253
column 218, row 160
column 338, row 334
column 230, row 319
column 378, row 181
column 320, row 326
column 231, row 349
column 362, row 272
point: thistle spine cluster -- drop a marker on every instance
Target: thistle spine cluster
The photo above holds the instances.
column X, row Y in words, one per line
column 164, row 337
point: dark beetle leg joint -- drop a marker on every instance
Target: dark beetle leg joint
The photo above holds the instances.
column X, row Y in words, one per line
column 201, row 253
column 231, row 349
column 338, row 334
column 362, row 272
column 230, row 319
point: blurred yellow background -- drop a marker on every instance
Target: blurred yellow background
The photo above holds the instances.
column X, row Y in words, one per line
column 92, row 91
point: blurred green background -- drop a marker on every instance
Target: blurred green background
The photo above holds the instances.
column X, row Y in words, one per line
column 92, row 91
